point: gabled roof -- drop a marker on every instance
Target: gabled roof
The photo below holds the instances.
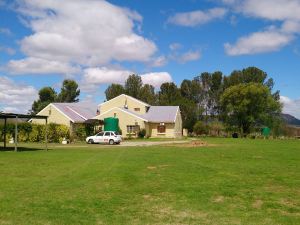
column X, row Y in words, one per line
column 76, row 112
column 159, row 114
column 127, row 96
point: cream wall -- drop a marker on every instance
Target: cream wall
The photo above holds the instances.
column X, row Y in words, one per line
column 124, row 119
column 173, row 130
column 54, row 117
column 178, row 125
column 169, row 130
column 120, row 101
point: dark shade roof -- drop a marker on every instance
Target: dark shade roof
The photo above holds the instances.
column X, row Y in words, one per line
column 159, row 114
column 77, row 112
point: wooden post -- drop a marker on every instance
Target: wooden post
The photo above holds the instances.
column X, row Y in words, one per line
column 16, row 134
column 5, row 133
column 46, row 135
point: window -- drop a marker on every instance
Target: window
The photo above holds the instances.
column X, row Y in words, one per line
column 137, row 109
column 161, row 129
column 107, row 134
column 100, row 134
column 133, row 128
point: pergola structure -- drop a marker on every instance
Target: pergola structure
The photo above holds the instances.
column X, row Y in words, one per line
column 16, row 116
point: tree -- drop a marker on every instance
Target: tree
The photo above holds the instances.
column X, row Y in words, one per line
column 113, row 91
column 46, row 96
column 147, row 94
column 69, row 92
column 215, row 91
column 133, row 85
column 246, row 76
column 169, row 94
column 247, row 105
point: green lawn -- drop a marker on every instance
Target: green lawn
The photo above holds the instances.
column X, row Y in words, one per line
column 232, row 182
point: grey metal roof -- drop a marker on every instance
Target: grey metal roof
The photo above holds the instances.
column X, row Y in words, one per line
column 159, row 114
column 78, row 112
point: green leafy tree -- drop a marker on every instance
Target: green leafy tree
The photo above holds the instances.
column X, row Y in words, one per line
column 69, row 92
column 147, row 94
column 169, row 94
column 246, row 76
column 133, row 85
column 113, row 91
column 247, row 105
column 215, row 91
column 46, row 96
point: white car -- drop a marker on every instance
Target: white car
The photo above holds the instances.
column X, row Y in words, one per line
column 106, row 137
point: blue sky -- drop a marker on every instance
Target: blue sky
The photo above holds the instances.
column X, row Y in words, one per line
column 100, row 42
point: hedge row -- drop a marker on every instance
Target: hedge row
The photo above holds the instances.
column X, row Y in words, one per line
column 28, row 132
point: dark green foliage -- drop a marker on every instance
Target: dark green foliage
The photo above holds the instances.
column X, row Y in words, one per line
column 46, row 96
column 113, row 91
column 169, row 94
column 28, row 132
column 246, row 105
column 147, row 94
column 133, row 85
column 69, row 92
column 200, row 128
column 142, row 133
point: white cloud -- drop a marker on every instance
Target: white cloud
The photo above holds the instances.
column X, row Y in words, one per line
column 156, row 78
column 199, row 17
column 285, row 11
column 32, row 65
column 104, row 75
column 85, row 32
column 290, row 106
column 15, row 97
column 189, row 56
column 259, row 42
column 271, row 9
column 159, row 61
column 93, row 77
column 175, row 46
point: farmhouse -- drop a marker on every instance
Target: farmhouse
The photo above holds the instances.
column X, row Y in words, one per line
column 133, row 114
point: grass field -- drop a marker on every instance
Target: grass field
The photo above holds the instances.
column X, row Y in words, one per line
column 231, row 182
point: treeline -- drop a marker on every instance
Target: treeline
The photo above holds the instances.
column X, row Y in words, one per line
column 243, row 101
column 69, row 93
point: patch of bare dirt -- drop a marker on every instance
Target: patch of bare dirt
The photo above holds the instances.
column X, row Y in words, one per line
column 151, row 167
column 192, row 144
column 218, row 199
column 257, row 204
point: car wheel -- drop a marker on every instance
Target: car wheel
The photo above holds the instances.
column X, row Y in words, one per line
column 91, row 141
column 111, row 142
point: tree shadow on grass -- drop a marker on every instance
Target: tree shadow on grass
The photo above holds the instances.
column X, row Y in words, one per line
column 20, row 149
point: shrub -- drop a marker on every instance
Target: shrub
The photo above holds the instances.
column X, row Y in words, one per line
column 200, row 128
column 142, row 133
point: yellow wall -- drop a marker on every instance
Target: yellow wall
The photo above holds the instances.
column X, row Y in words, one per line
column 120, row 101
column 54, row 117
column 178, row 125
column 173, row 130
column 169, row 130
column 124, row 120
